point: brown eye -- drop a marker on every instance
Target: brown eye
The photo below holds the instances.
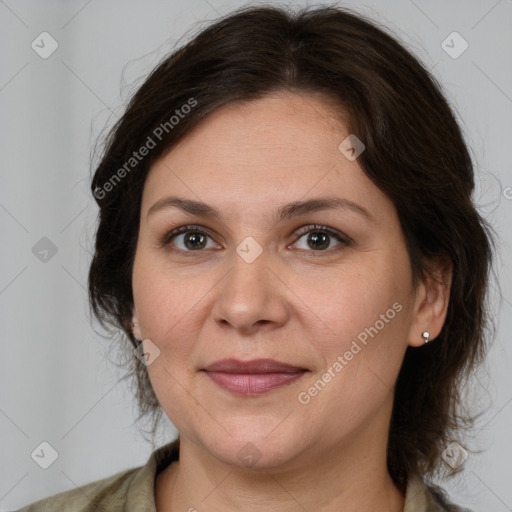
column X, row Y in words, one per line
column 319, row 238
column 194, row 240
column 186, row 239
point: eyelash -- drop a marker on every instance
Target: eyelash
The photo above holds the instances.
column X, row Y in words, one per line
column 344, row 240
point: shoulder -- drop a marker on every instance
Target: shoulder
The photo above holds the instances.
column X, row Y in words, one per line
column 126, row 491
column 86, row 497
column 441, row 500
column 422, row 497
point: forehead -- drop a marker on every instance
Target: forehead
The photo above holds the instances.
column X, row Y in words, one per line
column 277, row 149
column 300, row 125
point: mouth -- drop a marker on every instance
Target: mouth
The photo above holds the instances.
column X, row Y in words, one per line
column 246, row 378
column 252, row 367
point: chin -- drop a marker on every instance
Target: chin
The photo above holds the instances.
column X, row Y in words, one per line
column 253, row 447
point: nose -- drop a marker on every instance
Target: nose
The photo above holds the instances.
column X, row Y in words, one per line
column 251, row 296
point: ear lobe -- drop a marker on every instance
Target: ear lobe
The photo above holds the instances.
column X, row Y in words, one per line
column 136, row 328
column 431, row 305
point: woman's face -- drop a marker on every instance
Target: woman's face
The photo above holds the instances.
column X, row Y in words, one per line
column 259, row 281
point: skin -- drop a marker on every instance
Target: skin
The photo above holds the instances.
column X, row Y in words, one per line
column 294, row 303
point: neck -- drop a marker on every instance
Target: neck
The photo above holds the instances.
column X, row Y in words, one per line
column 350, row 476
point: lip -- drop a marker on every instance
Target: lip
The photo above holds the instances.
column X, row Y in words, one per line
column 254, row 377
column 254, row 366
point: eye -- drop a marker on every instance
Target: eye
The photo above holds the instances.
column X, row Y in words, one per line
column 320, row 237
column 190, row 239
column 186, row 238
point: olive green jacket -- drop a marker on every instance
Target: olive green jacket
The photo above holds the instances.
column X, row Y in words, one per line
column 133, row 491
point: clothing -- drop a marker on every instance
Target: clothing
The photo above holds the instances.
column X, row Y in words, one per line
column 133, row 491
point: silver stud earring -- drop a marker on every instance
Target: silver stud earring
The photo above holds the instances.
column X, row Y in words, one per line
column 426, row 336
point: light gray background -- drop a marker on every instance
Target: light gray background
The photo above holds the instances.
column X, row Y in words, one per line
column 57, row 384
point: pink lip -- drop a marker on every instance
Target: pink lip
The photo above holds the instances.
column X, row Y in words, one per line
column 252, row 377
column 254, row 366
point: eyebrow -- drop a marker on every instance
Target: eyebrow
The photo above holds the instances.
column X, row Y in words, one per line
column 287, row 211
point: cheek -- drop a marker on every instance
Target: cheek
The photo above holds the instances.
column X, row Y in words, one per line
column 369, row 317
column 353, row 300
column 366, row 309
column 162, row 301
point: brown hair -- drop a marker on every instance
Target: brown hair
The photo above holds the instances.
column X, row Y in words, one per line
column 415, row 153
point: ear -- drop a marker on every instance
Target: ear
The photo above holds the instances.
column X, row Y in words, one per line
column 431, row 302
column 136, row 328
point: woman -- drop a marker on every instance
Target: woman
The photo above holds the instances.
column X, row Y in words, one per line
column 288, row 241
